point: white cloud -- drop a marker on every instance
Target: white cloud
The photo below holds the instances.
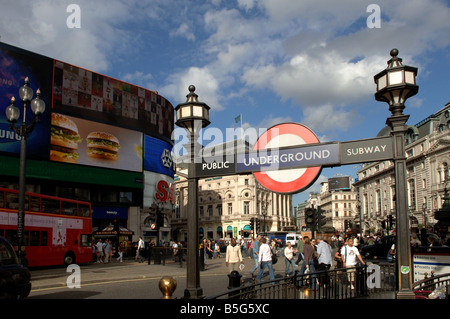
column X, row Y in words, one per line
column 184, row 32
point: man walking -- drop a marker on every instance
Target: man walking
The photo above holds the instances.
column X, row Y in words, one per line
column 324, row 260
column 265, row 260
column 255, row 254
column 233, row 256
column 349, row 254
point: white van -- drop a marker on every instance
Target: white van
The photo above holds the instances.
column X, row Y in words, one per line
column 292, row 238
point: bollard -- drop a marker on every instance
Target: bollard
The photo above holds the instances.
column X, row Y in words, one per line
column 167, row 285
column 234, row 281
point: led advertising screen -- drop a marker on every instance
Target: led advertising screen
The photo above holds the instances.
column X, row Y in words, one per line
column 78, row 141
column 100, row 98
column 158, row 156
column 336, row 183
column 15, row 66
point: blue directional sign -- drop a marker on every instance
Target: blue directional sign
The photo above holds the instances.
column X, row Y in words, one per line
column 285, row 158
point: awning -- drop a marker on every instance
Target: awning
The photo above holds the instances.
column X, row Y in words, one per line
column 109, row 230
column 247, row 227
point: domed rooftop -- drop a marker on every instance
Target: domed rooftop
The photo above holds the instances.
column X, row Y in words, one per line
column 385, row 131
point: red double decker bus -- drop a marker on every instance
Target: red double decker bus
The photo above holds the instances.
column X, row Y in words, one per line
column 57, row 230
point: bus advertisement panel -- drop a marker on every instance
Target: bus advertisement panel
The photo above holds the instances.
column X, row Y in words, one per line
column 57, row 231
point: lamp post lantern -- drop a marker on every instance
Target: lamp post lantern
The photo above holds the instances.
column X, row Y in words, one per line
column 192, row 116
column 395, row 85
column 12, row 114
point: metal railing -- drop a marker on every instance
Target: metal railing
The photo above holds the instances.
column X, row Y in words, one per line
column 425, row 286
column 331, row 284
column 340, row 283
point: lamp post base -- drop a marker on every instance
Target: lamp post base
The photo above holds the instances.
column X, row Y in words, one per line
column 405, row 294
column 193, row 293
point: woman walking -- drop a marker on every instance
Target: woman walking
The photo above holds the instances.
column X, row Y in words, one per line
column 308, row 264
column 289, row 259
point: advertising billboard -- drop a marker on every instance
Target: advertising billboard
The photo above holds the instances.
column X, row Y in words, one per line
column 337, row 183
column 158, row 189
column 100, row 98
column 78, row 141
column 158, row 156
column 15, row 66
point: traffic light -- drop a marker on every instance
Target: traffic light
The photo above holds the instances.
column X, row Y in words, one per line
column 116, row 226
column 159, row 220
column 390, row 221
column 321, row 218
column 310, row 218
column 258, row 225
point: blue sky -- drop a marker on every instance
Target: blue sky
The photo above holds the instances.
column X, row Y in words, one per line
column 272, row 61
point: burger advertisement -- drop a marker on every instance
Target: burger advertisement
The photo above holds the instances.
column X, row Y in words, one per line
column 78, row 141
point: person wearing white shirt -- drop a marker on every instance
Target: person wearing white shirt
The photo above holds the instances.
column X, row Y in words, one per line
column 265, row 260
column 140, row 250
column 289, row 259
column 349, row 254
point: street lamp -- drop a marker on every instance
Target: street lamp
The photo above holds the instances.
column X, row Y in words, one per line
column 192, row 116
column 12, row 114
column 395, row 85
column 264, row 213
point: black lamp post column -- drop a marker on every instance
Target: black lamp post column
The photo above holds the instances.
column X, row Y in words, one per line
column 193, row 116
column 395, row 85
column 12, row 114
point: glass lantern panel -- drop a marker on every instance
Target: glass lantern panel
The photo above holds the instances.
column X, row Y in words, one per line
column 395, row 77
column 197, row 111
column 382, row 82
column 409, row 77
column 186, row 111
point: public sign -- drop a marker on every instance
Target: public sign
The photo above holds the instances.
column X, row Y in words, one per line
column 288, row 180
column 288, row 157
column 216, row 166
column 369, row 150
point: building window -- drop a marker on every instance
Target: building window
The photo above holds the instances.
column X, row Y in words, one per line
column 230, row 209
column 246, row 181
column 412, row 194
column 201, row 211
column 246, row 208
column 210, row 210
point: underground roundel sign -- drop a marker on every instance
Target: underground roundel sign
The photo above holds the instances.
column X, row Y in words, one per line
column 287, row 180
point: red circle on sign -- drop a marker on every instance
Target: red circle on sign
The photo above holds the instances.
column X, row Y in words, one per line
column 153, row 226
column 310, row 174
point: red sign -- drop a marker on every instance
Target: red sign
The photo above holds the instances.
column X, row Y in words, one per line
column 287, row 180
column 165, row 192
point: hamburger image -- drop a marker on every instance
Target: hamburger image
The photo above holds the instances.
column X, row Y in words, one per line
column 64, row 139
column 103, row 145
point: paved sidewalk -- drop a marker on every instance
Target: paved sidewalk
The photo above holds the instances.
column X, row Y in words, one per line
column 213, row 280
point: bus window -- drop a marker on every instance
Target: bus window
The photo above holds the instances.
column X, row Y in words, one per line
column 35, row 204
column 12, row 201
column 69, row 208
column 34, row 238
column 44, row 238
column 50, row 206
column 85, row 240
column 2, row 200
column 83, row 210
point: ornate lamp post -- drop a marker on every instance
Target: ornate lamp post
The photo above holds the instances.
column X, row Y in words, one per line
column 193, row 116
column 395, row 85
column 12, row 114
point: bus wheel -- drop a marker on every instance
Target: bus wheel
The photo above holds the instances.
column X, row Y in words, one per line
column 69, row 258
